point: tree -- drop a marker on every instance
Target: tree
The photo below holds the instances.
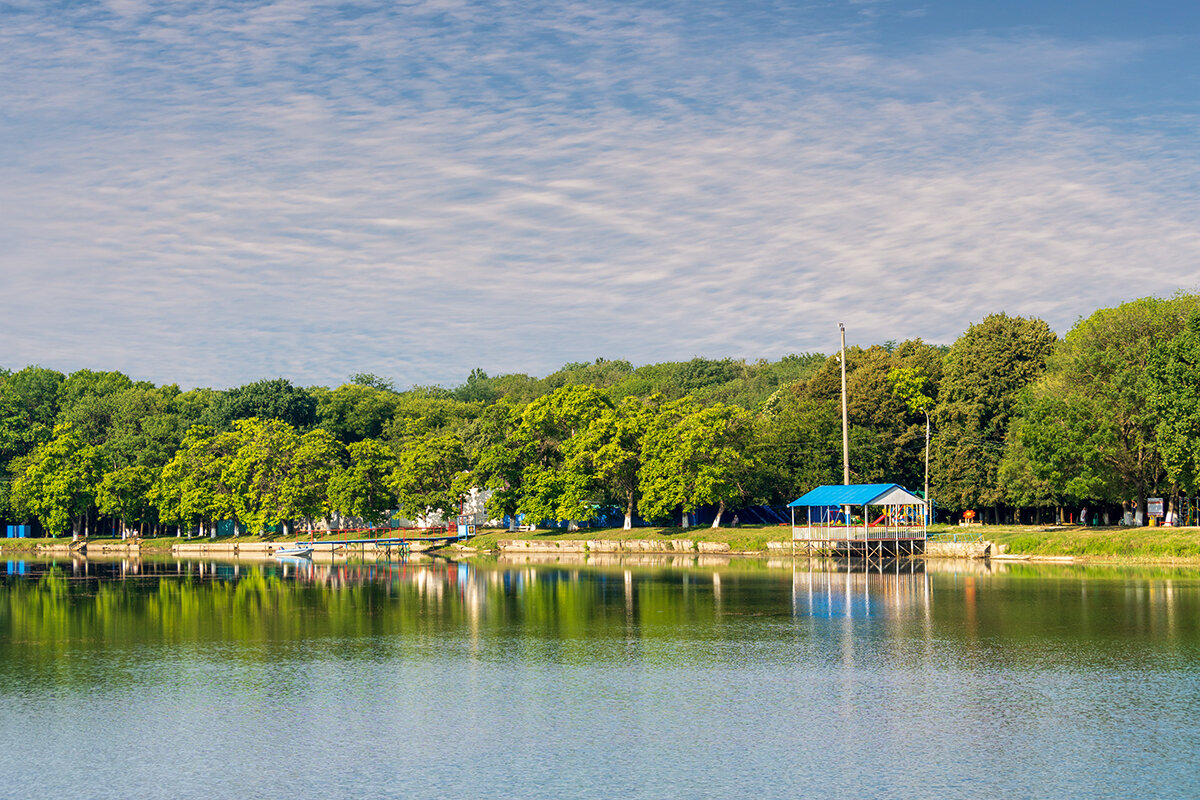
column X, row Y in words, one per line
column 695, row 456
column 431, row 474
column 146, row 427
column 538, row 441
column 1021, row 483
column 602, row 461
column 192, row 487
column 267, row 399
column 124, row 494
column 477, row 389
column 361, row 490
column 28, row 410
column 1091, row 423
column 265, row 483
column 490, row 443
column 910, row 384
column 355, row 412
column 57, row 482
column 315, row 462
column 985, row 371
column 799, row 435
column 798, row 442
column 1174, row 371
column 372, row 381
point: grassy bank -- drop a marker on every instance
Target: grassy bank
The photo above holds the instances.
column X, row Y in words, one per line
column 742, row 538
column 1115, row 544
column 1126, row 544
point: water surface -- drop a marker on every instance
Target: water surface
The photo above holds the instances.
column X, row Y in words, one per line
column 203, row 679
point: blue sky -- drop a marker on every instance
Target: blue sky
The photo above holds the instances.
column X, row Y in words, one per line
column 214, row 192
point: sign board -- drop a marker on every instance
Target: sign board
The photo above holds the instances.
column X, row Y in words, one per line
column 1154, row 506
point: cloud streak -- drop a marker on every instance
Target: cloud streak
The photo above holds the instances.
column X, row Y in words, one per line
column 210, row 195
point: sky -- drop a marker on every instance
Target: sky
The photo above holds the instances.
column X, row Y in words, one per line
column 217, row 191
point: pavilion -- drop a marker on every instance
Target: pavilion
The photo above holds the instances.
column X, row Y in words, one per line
column 860, row 518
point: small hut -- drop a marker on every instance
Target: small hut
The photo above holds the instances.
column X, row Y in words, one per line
column 860, row 517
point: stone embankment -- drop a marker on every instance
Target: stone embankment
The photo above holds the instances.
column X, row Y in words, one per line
column 615, row 546
column 958, row 549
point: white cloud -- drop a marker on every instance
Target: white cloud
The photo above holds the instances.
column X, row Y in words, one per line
column 212, row 194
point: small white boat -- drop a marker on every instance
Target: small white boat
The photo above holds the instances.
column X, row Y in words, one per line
column 296, row 550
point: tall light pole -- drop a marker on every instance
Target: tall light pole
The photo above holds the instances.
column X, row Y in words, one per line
column 845, row 415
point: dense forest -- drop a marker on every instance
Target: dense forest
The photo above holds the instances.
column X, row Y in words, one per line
column 1023, row 424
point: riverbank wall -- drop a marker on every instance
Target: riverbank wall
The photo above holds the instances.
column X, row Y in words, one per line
column 613, row 546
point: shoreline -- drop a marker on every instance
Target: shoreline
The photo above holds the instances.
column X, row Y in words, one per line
column 1003, row 544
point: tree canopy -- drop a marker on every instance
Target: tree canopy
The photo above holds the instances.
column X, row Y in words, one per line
column 1108, row 414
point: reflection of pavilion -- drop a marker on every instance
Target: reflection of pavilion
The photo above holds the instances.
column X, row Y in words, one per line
column 844, row 588
column 871, row 519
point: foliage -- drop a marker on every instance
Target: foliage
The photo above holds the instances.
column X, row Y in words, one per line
column 985, row 371
column 361, row 490
column 28, row 410
column 1174, row 372
column 546, row 425
column 695, row 456
column 355, row 412
column 192, row 486
column 125, row 494
column 274, row 399
column 602, row 462
column 1090, row 424
column 431, row 474
column 1109, row 414
column 57, row 481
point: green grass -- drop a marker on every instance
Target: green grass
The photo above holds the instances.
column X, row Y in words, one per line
column 1129, row 544
column 741, row 538
column 1115, row 544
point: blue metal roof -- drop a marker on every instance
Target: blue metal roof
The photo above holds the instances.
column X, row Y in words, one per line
column 860, row 494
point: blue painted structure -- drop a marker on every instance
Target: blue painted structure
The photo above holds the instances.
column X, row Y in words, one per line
column 856, row 494
column 830, row 511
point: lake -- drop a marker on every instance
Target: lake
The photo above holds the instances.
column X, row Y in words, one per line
column 645, row 678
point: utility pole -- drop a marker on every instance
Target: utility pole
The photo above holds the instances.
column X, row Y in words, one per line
column 845, row 415
column 927, row 511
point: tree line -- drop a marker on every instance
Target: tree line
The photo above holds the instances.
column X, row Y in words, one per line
column 1021, row 420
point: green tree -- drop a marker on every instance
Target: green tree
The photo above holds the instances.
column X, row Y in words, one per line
column 538, row 441
column 1174, row 372
column 372, row 381
column 1091, row 424
column 124, row 494
column 192, row 489
column 259, row 474
column 602, row 461
column 274, row 399
column 146, row 427
column 431, row 474
column 477, row 389
column 911, row 385
column 28, row 410
column 315, row 462
column 490, row 442
column 695, row 456
column 800, row 427
column 57, row 482
column 985, row 371
column 355, row 412
column 361, row 490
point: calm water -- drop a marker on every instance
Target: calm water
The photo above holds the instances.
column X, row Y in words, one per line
column 438, row 679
